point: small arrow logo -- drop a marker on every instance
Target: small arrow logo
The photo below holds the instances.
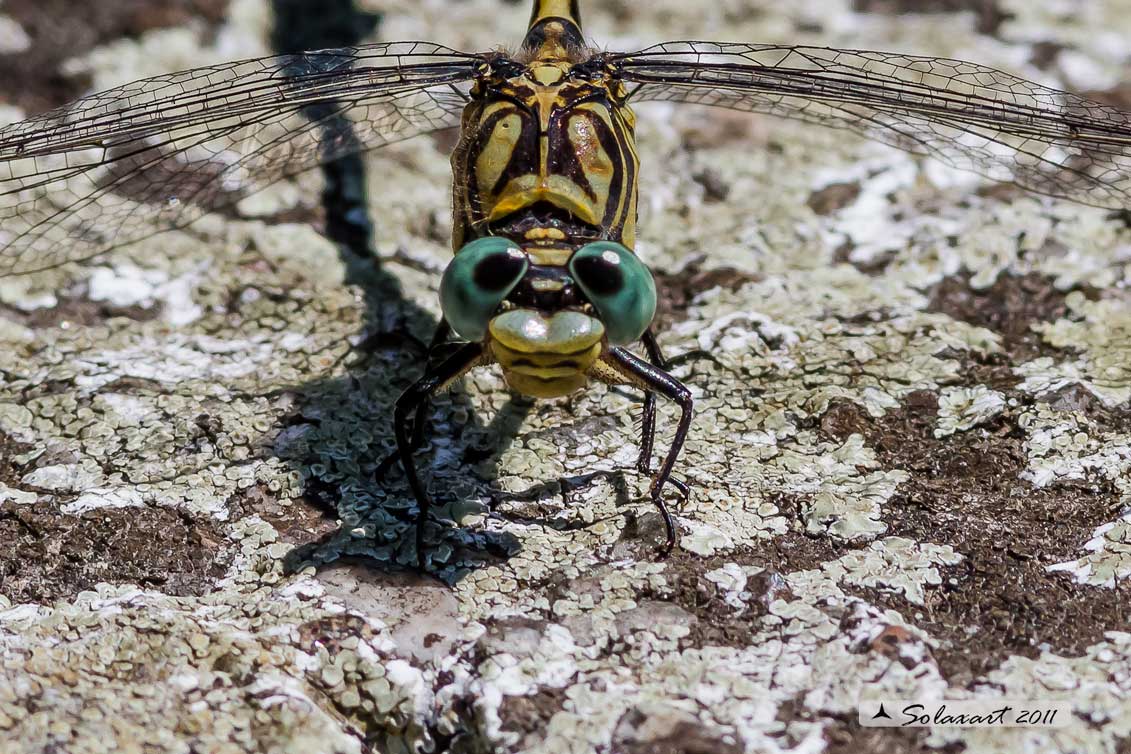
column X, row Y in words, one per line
column 883, row 713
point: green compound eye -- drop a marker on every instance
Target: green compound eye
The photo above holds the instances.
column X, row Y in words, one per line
column 619, row 287
column 481, row 276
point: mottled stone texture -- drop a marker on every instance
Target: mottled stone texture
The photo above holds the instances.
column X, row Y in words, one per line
column 910, row 459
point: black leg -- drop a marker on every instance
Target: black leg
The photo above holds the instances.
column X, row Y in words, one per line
column 648, row 421
column 443, row 331
column 656, row 380
column 439, row 337
column 436, row 378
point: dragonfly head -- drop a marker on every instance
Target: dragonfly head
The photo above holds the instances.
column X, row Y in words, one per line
column 547, row 324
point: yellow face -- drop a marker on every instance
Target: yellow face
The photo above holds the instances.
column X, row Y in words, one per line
column 546, row 355
column 547, row 159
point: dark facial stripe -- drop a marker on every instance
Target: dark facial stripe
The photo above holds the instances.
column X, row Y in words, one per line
column 610, row 139
column 524, row 157
column 563, row 157
column 627, row 140
column 618, row 142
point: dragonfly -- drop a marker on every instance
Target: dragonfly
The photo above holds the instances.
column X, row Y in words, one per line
column 544, row 281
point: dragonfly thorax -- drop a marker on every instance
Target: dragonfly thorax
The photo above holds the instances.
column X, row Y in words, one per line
column 546, row 157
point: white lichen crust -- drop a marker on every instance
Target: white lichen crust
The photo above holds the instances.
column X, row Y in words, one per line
column 221, row 377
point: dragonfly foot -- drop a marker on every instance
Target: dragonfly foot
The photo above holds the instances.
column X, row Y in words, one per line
column 683, row 489
column 669, row 525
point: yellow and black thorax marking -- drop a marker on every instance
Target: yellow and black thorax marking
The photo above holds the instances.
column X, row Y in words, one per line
column 546, row 155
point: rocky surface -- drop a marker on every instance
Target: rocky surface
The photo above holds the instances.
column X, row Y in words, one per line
column 910, row 458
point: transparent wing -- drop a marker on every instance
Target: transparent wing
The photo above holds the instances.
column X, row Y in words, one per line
column 121, row 165
column 966, row 115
